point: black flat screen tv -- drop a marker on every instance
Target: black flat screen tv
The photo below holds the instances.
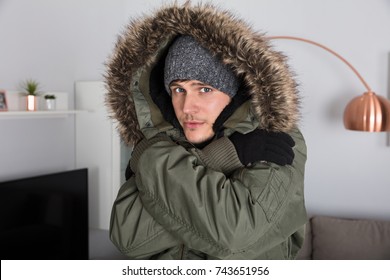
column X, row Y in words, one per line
column 45, row 217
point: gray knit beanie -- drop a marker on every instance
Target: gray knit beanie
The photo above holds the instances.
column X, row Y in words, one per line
column 188, row 60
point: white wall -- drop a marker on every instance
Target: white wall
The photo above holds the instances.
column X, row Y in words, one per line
column 59, row 42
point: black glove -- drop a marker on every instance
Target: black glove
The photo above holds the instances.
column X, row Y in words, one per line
column 264, row 145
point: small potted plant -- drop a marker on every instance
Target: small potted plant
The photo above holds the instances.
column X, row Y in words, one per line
column 31, row 90
column 50, row 102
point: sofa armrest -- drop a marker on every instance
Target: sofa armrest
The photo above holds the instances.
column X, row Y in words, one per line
column 349, row 239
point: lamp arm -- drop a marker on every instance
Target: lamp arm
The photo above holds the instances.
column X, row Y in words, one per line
column 327, row 49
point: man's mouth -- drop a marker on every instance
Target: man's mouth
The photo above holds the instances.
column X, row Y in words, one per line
column 193, row 124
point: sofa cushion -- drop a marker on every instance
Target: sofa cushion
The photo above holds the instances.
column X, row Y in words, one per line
column 337, row 239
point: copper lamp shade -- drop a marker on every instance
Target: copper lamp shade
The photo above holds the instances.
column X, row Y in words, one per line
column 368, row 112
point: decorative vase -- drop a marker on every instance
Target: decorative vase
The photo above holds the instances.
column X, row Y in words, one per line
column 50, row 104
column 31, row 103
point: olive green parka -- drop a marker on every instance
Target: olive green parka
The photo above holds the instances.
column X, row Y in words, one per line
column 184, row 202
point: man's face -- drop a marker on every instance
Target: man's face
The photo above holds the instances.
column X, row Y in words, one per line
column 197, row 106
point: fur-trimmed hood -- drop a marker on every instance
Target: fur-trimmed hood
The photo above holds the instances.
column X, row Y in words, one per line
column 264, row 71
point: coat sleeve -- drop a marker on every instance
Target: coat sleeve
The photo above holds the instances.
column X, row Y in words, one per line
column 133, row 231
column 240, row 216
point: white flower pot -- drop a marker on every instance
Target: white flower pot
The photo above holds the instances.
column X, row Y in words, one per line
column 50, row 104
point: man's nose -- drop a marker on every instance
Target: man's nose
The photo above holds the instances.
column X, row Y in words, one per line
column 190, row 104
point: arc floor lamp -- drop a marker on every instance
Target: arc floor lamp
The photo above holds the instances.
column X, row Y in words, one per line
column 368, row 112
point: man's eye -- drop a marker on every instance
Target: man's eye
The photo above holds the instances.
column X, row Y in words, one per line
column 178, row 90
column 206, row 89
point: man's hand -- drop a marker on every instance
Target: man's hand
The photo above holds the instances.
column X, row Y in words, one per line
column 264, row 145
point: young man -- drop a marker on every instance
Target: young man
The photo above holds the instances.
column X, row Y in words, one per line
column 218, row 163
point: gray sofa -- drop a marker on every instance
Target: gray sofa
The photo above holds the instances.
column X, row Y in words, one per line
column 329, row 238
column 326, row 238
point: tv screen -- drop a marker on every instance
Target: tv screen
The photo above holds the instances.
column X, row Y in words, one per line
column 45, row 217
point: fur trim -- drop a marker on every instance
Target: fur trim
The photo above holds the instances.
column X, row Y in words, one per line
column 272, row 89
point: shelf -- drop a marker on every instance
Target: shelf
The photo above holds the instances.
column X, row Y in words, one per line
column 38, row 114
